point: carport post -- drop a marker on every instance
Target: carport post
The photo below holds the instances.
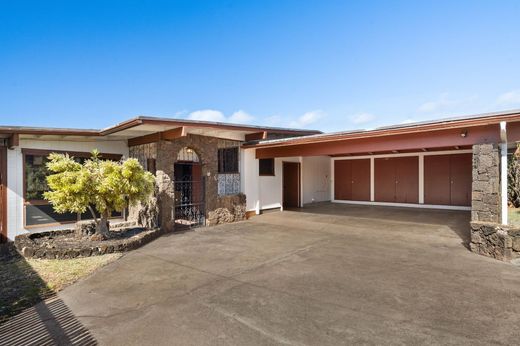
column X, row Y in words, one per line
column 503, row 172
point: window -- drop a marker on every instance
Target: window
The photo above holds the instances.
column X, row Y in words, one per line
column 266, row 167
column 38, row 211
column 228, row 175
column 228, row 160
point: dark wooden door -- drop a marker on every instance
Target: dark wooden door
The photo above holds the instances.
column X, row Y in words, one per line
column 406, row 179
column 447, row 179
column 291, row 185
column 361, row 180
column 461, row 179
column 384, row 180
column 437, row 179
column 343, row 179
column 397, row 179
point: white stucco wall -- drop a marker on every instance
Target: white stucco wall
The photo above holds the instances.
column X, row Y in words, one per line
column 15, row 222
column 265, row 192
column 316, row 179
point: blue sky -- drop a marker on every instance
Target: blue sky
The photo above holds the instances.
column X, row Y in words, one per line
column 329, row 65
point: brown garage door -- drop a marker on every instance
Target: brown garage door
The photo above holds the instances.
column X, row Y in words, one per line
column 447, row 179
column 352, row 180
column 397, row 179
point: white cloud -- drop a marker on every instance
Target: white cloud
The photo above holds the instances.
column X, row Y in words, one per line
column 408, row 121
column 207, row 115
column 240, row 117
column 509, row 98
column 274, row 120
column 362, row 118
column 308, row 118
column 444, row 102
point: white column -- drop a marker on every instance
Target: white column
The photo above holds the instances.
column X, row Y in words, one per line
column 503, row 172
column 372, row 180
column 332, row 162
column 421, row 179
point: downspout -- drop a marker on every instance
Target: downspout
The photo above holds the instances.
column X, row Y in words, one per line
column 503, row 172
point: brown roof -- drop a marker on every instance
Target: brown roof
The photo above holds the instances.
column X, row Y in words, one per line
column 442, row 124
column 141, row 120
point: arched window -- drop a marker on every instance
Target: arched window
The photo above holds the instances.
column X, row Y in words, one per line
column 187, row 155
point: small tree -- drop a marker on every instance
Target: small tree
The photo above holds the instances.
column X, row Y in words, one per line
column 100, row 186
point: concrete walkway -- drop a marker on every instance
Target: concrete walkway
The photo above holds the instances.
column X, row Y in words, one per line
column 325, row 275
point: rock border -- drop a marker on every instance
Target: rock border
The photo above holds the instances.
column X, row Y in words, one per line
column 29, row 248
column 495, row 240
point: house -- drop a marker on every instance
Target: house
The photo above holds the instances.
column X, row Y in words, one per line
column 204, row 169
column 198, row 165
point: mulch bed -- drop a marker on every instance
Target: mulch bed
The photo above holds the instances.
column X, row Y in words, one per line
column 63, row 244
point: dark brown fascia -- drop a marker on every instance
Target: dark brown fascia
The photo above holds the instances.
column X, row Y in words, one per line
column 256, row 136
column 157, row 136
column 13, row 140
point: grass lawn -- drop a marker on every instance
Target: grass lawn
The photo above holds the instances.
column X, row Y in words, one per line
column 513, row 217
column 24, row 282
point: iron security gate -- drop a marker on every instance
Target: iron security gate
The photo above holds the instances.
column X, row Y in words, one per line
column 190, row 206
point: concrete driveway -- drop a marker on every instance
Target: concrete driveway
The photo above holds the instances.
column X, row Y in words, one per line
column 326, row 275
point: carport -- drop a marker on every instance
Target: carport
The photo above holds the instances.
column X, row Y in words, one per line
column 457, row 163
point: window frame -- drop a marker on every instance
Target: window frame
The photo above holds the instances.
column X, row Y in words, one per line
column 272, row 173
column 220, row 162
column 37, row 202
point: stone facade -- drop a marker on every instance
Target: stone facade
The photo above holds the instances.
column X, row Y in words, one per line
column 165, row 154
column 485, row 203
column 496, row 241
column 231, row 209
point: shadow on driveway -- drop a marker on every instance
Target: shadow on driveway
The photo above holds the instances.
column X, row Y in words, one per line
column 50, row 322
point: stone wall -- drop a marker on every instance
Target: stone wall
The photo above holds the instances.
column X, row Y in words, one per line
column 143, row 152
column 165, row 154
column 496, row 241
column 230, row 209
column 485, row 204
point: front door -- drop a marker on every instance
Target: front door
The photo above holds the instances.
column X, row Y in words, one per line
column 189, row 194
column 291, row 185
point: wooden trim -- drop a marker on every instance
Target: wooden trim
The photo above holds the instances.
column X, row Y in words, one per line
column 174, row 133
column 122, row 217
column 49, row 132
column 13, row 141
column 158, row 136
column 3, row 194
column 46, row 152
column 256, row 136
column 146, row 139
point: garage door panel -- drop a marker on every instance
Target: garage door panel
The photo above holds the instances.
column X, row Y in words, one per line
column 461, row 179
column 342, row 180
column 361, row 180
column 384, row 180
column 437, row 179
column 407, row 179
